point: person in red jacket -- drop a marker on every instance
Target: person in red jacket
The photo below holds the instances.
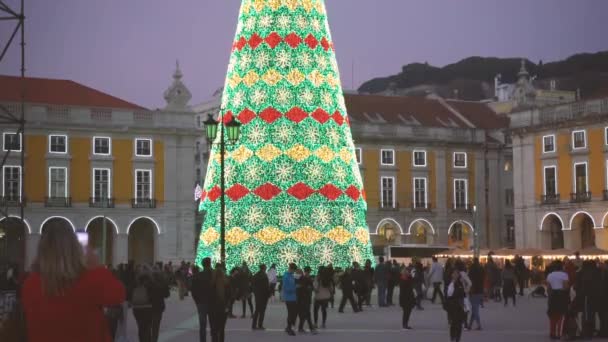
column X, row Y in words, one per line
column 64, row 296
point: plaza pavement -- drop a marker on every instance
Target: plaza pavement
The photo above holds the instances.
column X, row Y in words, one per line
column 526, row 322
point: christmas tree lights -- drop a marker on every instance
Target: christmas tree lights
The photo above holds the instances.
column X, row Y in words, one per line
column 293, row 187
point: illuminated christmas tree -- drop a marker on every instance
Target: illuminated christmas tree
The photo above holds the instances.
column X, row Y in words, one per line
column 293, row 188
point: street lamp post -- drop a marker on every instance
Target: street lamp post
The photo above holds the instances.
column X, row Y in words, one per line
column 233, row 130
column 475, row 232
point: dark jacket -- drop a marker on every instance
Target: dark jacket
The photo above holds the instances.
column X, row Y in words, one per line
column 304, row 288
column 201, row 287
column 476, row 274
column 381, row 274
column 360, row 277
column 346, row 283
column 406, row 292
column 261, row 285
column 158, row 290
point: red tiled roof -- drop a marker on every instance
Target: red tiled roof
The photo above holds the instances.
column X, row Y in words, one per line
column 418, row 111
column 480, row 114
column 58, row 92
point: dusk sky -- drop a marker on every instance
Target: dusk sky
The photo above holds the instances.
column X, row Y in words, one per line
column 128, row 48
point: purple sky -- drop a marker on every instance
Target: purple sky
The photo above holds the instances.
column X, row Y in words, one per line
column 129, row 48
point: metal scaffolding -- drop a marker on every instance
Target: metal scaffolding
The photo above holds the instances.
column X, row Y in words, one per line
column 14, row 116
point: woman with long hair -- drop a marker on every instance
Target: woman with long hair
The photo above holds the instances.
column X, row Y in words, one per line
column 220, row 299
column 322, row 290
column 64, row 295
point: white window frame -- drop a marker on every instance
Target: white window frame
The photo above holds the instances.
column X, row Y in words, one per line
column 552, row 136
column 414, row 158
column 109, row 182
column 584, row 140
column 151, row 184
column 466, row 191
column 4, row 180
column 382, row 159
column 382, row 191
column 606, row 135
column 426, row 192
column 143, row 155
column 454, row 160
column 109, row 146
column 359, row 155
column 66, row 143
column 65, row 170
column 545, row 179
column 4, row 134
column 586, row 176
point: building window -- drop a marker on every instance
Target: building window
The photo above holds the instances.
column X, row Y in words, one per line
column 102, row 146
column 143, row 185
column 510, row 230
column 420, row 193
column 509, row 198
column 419, row 158
column 58, row 186
column 460, row 194
column 12, row 142
column 387, row 157
column 579, row 139
column 508, row 165
column 101, row 184
column 549, row 144
column 580, row 178
column 550, row 180
column 358, row 152
column 143, row 147
column 388, row 192
column 460, row 159
column 606, row 136
column 58, row 143
column 508, row 139
column 11, row 180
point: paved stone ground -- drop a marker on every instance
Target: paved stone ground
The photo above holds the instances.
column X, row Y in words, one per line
column 526, row 322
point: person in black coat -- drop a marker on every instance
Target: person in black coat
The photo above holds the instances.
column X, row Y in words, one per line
column 346, row 283
column 407, row 300
column 454, row 305
column 262, row 292
column 360, row 279
column 201, row 290
column 304, row 288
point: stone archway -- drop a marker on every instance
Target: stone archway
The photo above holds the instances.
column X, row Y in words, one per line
column 56, row 221
column 460, row 234
column 552, row 232
column 421, row 232
column 13, row 235
column 95, row 230
column 389, row 232
column 142, row 233
column 582, row 232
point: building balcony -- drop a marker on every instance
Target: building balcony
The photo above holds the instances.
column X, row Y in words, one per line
column 462, row 208
column 388, row 206
column 58, row 202
column 421, row 206
column 101, row 202
column 605, row 195
column 143, row 203
column 580, row 197
column 549, row 199
column 12, row 201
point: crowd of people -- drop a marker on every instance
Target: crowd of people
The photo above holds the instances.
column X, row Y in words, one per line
column 63, row 295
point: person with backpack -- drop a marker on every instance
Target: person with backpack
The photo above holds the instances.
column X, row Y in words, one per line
column 201, row 293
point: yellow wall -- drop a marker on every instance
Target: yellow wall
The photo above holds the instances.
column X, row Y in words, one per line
column 472, row 174
column 35, row 173
column 159, row 172
column 404, row 178
column 80, row 169
column 371, row 160
column 123, row 181
column 432, row 179
column 597, row 170
column 564, row 165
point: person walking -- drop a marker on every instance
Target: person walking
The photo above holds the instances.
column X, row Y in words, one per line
column 508, row 282
column 407, row 300
column 603, row 304
column 360, row 279
column 322, row 295
column 159, row 290
column 418, row 284
column 588, row 296
column 244, row 284
column 201, row 291
column 261, row 291
column 220, row 299
column 304, row 289
column 436, row 278
column 454, row 305
column 346, row 283
column 64, row 295
column 288, row 293
column 521, row 273
column 381, row 278
column 476, row 274
column 394, row 275
column 272, row 279
column 558, row 300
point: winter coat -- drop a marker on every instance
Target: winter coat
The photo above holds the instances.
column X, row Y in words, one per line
column 407, row 299
column 288, row 287
column 436, row 273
